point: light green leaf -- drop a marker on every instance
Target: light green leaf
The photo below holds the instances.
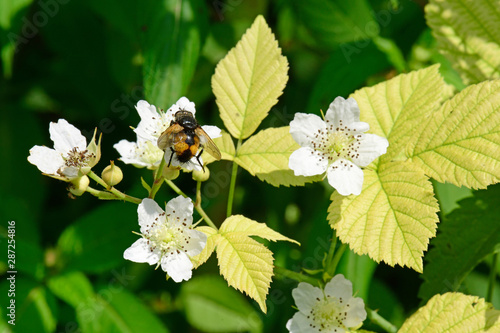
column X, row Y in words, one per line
column 266, row 155
column 468, row 33
column 392, row 219
column 226, row 146
column 239, row 224
column 333, row 22
column 461, row 142
column 249, row 80
column 246, row 264
column 466, row 237
column 172, row 38
column 398, row 108
column 212, row 306
column 453, row 312
column 212, row 237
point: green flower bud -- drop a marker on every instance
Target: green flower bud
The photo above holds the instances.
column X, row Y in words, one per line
column 79, row 185
column 112, row 174
column 170, row 173
column 201, row 176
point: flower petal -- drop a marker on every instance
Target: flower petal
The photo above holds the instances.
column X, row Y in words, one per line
column 178, row 266
column 149, row 213
column 197, row 242
column 184, row 104
column 356, row 312
column 371, row 146
column 141, row 252
column 339, row 287
column 47, row 160
column 307, row 162
column 304, row 127
column 300, row 324
column 66, row 137
column 346, row 110
column 179, row 211
column 212, row 131
column 306, row 296
column 345, row 177
column 152, row 123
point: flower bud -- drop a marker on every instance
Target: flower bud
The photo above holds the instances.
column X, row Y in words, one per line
column 170, row 173
column 79, row 185
column 112, row 174
column 201, row 176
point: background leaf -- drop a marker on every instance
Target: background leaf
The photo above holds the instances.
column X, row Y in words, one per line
column 466, row 237
column 468, row 33
column 96, row 242
column 454, row 312
column 333, row 22
column 211, row 306
column 249, row 80
column 173, row 36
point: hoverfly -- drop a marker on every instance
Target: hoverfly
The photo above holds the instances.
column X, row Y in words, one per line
column 185, row 137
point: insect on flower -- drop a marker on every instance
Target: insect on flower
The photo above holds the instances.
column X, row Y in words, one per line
column 186, row 139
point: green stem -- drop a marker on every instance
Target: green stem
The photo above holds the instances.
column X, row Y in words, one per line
column 232, row 185
column 101, row 194
column 332, row 267
column 197, row 205
column 118, row 194
column 282, row 272
column 380, row 321
column 158, row 180
column 331, row 251
column 492, row 280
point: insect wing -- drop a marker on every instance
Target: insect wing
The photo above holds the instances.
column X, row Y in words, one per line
column 167, row 137
column 207, row 143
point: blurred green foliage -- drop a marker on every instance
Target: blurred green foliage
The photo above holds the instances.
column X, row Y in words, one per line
column 90, row 62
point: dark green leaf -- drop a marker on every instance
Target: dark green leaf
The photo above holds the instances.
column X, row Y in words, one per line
column 95, row 243
column 466, row 237
column 344, row 72
column 333, row 22
column 172, row 38
column 212, row 306
column 35, row 306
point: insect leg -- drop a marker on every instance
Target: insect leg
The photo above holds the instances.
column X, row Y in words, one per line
column 198, row 159
column 171, row 156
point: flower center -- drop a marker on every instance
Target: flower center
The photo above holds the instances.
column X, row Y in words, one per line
column 77, row 158
column 166, row 238
column 337, row 142
column 328, row 314
column 149, row 153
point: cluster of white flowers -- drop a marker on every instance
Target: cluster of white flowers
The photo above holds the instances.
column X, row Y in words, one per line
column 145, row 152
column 336, row 145
column 332, row 310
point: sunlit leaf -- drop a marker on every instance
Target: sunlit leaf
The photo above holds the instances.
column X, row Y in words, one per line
column 266, row 155
column 249, row 80
column 468, row 33
column 209, row 248
column 392, row 219
column 398, row 108
column 461, row 142
column 246, row 264
column 226, row 146
column 453, row 312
